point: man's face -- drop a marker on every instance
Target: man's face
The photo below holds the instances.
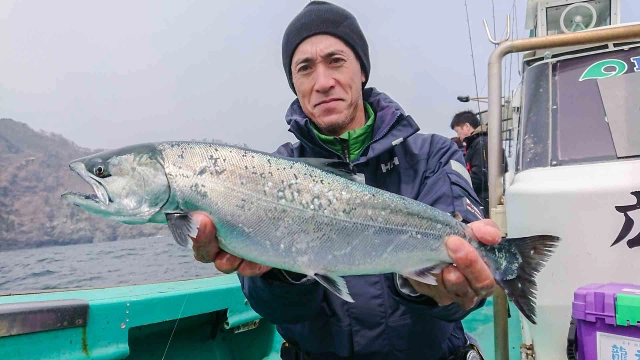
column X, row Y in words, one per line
column 463, row 131
column 328, row 81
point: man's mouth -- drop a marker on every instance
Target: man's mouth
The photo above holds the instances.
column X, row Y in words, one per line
column 101, row 195
column 326, row 101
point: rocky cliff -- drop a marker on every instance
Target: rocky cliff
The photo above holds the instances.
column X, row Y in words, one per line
column 34, row 173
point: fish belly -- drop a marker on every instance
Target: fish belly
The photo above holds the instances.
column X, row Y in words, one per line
column 307, row 242
column 292, row 216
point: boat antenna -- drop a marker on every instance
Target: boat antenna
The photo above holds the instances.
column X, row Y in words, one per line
column 491, row 39
column 473, row 61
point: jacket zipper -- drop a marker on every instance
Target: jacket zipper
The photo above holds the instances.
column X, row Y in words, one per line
column 382, row 134
column 345, row 149
column 345, row 154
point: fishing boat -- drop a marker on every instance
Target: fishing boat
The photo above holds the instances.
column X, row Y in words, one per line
column 575, row 162
column 574, row 172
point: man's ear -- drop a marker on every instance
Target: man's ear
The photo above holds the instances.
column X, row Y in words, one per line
column 362, row 76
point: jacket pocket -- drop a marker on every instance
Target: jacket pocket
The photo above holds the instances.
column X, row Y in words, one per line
column 420, row 337
column 318, row 336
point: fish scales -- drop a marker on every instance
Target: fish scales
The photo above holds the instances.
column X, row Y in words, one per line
column 302, row 215
column 276, row 208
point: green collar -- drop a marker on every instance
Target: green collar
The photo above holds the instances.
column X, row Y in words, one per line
column 352, row 141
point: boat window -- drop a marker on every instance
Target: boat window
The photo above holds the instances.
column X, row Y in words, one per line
column 534, row 149
column 564, row 116
column 619, row 96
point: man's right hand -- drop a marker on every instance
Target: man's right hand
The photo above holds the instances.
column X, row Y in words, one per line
column 206, row 250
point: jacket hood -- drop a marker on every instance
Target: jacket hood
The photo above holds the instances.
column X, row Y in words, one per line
column 480, row 129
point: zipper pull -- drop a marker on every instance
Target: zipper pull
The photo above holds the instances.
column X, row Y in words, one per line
column 345, row 149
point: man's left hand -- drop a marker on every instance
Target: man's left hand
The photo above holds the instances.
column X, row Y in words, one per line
column 470, row 279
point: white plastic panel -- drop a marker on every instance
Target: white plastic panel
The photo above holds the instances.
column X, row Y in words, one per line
column 578, row 204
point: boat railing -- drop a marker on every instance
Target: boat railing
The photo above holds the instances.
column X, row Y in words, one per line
column 613, row 33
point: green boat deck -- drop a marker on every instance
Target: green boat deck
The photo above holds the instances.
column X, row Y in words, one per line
column 137, row 321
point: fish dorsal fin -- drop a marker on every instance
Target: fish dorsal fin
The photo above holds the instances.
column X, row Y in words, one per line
column 336, row 167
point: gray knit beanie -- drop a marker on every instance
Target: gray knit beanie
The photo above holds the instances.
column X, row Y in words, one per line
column 321, row 17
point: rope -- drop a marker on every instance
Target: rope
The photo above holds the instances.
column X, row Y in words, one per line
column 175, row 326
column 493, row 9
column 473, row 61
column 515, row 10
column 514, row 24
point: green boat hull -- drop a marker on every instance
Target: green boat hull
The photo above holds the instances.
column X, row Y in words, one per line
column 206, row 318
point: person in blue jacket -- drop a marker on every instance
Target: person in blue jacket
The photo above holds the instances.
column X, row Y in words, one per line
column 335, row 116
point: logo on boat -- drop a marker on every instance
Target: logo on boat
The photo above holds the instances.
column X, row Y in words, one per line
column 608, row 68
column 628, row 225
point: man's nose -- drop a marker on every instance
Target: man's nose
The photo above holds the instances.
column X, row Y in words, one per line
column 324, row 79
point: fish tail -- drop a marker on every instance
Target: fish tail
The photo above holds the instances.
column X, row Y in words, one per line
column 521, row 289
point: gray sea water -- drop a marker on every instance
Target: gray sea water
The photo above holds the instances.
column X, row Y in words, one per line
column 124, row 262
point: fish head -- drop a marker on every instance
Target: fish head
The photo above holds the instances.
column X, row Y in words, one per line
column 130, row 184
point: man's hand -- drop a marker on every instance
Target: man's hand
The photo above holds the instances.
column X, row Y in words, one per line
column 206, row 250
column 470, row 280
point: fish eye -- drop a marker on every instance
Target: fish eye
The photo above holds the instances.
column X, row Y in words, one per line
column 99, row 170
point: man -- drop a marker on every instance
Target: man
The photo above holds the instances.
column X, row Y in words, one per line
column 326, row 61
column 476, row 139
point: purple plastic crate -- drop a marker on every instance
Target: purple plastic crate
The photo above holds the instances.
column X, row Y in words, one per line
column 595, row 314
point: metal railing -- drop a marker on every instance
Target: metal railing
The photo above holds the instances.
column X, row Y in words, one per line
column 588, row 37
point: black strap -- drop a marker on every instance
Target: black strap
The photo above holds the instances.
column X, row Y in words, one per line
column 291, row 351
column 572, row 341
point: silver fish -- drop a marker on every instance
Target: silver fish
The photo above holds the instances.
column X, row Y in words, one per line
column 310, row 216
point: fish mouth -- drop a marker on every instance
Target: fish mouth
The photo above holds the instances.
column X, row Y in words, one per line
column 101, row 195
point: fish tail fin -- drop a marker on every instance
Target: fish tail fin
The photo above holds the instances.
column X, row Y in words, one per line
column 534, row 251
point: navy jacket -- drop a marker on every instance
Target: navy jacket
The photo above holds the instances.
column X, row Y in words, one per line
column 383, row 322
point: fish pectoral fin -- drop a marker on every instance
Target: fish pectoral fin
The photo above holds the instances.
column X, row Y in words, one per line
column 424, row 274
column 182, row 227
column 336, row 284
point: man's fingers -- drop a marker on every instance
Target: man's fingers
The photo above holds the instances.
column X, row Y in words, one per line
column 469, row 263
column 436, row 292
column 200, row 254
column 455, row 283
column 249, row 268
column 206, row 249
column 459, row 288
column 469, row 302
column 486, row 231
column 226, row 262
column 206, row 228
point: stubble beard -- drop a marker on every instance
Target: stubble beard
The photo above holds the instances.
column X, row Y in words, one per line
column 338, row 128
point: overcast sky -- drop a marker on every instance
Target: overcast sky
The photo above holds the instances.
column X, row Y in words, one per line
column 112, row 73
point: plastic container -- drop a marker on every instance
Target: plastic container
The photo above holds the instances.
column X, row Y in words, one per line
column 607, row 319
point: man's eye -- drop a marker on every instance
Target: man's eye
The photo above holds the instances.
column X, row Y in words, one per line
column 303, row 68
column 337, row 60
